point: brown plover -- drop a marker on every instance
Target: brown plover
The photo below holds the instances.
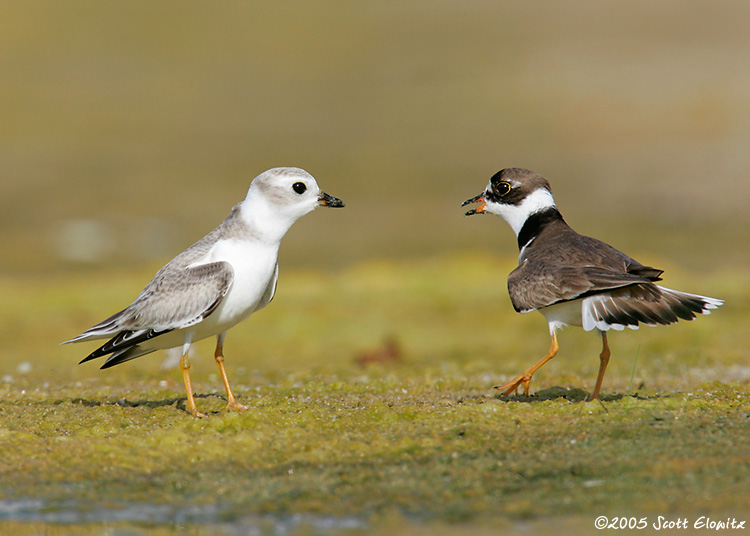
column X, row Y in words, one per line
column 574, row 280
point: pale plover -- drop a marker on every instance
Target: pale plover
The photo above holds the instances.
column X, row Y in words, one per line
column 573, row 279
column 217, row 282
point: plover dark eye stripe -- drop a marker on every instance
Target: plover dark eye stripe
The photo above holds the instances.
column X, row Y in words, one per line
column 215, row 283
column 573, row 279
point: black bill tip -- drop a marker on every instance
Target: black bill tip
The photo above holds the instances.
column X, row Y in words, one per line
column 477, row 199
column 326, row 200
column 474, row 199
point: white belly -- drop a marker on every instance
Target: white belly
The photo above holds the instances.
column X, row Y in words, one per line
column 563, row 314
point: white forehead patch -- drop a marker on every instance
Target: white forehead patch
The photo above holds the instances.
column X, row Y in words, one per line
column 516, row 215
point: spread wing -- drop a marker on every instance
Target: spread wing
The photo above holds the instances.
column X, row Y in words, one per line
column 535, row 284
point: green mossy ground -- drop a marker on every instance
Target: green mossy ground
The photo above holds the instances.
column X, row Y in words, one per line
column 419, row 443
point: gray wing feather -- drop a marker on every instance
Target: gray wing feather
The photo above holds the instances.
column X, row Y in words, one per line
column 174, row 299
column 178, row 299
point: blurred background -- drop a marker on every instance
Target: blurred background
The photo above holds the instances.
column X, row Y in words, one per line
column 129, row 129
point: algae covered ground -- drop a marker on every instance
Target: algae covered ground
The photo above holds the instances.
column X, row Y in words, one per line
column 371, row 410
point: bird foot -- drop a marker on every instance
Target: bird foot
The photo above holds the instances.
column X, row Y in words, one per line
column 511, row 387
column 233, row 404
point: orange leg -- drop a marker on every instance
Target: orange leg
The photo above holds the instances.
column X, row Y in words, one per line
column 219, row 356
column 603, row 361
column 525, row 377
column 185, row 367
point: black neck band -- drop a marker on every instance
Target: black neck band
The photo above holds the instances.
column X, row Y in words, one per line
column 535, row 223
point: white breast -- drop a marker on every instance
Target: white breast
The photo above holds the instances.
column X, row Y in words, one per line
column 254, row 265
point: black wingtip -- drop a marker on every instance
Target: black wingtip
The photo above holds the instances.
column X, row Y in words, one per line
column 92, row 355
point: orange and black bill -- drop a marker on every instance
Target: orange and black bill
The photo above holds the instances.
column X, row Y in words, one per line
column 477, row 199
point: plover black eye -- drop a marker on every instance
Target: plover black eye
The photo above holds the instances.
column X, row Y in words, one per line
column 501, row 188
column 299, row 187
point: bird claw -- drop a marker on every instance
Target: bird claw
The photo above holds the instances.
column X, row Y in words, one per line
column 237, row 406
column 514, row 384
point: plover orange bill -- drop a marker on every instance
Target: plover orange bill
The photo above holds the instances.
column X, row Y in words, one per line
column 574, row 280
column 217, row 282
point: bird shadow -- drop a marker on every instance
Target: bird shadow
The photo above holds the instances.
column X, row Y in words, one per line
column 178, row 402
column 573, row 394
